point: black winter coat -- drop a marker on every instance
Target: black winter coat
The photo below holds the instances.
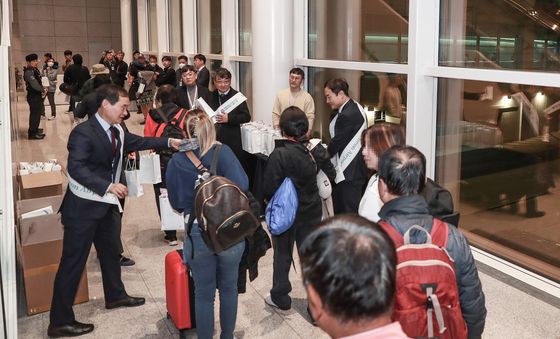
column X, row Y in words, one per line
column 404, row 212
column 291, row 159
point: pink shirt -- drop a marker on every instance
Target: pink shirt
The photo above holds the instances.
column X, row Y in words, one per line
column 391, row 331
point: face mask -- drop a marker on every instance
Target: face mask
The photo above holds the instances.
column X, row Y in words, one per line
column 50, row 64
column 181, row 65
column 153, row 64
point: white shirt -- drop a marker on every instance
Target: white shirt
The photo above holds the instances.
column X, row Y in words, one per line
column 106, row 126
column 371, row 202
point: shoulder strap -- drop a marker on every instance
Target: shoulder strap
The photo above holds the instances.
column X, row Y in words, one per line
column 182, row 116
column 162, row 116
column 440, row 233
column 397, row 238
column 215, row 157
column 196, row 162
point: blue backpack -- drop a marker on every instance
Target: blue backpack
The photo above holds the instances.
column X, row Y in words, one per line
column 281, row 209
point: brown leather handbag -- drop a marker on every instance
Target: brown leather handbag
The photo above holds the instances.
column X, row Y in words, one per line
column 221, row 208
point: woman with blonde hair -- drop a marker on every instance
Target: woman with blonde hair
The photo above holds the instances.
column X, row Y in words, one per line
column 210, row 271
column 376, row 140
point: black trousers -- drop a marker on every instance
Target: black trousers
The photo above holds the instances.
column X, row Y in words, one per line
column 346, row 196
column 283, row 246
column 72, row 105
column 79, row 234
column 36, row 109
column 50, row 97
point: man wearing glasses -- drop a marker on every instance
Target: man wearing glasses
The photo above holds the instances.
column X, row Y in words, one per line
column 228, row 128
column 190, row 90
column 294, row 96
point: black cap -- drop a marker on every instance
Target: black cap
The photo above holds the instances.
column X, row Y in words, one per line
column 31, row 57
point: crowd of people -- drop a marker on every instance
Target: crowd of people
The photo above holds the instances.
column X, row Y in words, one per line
column 349, row 261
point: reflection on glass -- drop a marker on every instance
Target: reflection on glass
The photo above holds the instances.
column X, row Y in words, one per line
column 356, row 30
column 497, row 152
column 175, row 25
column 246, row 83
column 383, row 96
column 209, row 19
column 498, row 34
column 213, row 65
column 152, row 26
column 245, row 31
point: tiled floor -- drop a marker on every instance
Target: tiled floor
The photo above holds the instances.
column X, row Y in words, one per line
column 512, row 313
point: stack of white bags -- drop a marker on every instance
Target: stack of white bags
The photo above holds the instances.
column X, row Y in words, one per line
column 256, row 137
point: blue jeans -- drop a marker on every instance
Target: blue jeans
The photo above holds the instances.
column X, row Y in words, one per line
column 211, row 271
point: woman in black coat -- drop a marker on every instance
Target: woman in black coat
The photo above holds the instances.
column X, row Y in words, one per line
column 291, row 159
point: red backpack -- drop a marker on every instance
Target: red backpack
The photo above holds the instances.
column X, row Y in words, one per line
column 154, row 129
column 427, row 297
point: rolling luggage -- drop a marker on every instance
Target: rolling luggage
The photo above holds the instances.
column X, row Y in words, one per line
column 179, row 292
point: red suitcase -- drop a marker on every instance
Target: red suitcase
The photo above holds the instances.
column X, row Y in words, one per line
column 179, row 291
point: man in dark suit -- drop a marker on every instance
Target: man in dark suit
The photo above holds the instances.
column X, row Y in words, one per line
column 347, row 123
column 203, row 72
column 228, row 130
column 187, row 94
column 167, row 77
column 95, row 150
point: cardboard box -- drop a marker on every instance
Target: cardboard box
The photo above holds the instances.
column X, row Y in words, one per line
column 37, row 185
column 40, row 246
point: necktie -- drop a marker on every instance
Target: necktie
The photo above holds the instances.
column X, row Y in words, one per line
column 222, row 98
column 115, row 147
column 114, row 133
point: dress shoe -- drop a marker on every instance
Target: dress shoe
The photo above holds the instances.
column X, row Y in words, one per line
column 37, row 137
column 73, row 330
column 127, row 301
column 124, row 261
column 534, row 214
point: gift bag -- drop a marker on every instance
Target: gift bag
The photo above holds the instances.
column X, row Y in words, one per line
column 132, row 174
column 45, row 81
column 150, row 170
column 171, row 220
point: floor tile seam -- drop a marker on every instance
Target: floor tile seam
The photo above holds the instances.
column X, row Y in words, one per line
column 277, row 311
column 164, row 316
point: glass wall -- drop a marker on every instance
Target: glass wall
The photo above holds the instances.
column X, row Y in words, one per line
column 355, row 30
column 381, row 95
column 246, row 82
column 521, row 35
column 209, row 19
column 152, row 26
column 175, row 10
column 245, row 30
column 498, row 151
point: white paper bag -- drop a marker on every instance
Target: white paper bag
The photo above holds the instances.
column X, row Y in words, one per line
column 135, row 189
column 171, row 220
column 150, row 171
column 45, row 81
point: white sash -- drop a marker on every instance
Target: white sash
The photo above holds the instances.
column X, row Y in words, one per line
column 351, row 150
column 85, row 193
column 109, row 198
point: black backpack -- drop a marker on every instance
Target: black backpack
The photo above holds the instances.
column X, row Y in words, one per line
column 170, row 129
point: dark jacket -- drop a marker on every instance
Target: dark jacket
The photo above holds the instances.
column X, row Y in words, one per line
column 90, row 164
column 230, row 133
column 88, row 106
column 182, row 98
column 203, row 77
column 322, row 158
column 120, row 73
column 76, row 74
column 166, row 77
column 32, row 77
column 290, row 159
column 347, row 125
column 404, row 212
